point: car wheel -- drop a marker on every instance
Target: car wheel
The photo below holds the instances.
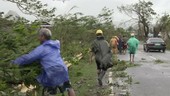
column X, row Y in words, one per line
column 163, row 50
column 144, row 49
column 147, row 50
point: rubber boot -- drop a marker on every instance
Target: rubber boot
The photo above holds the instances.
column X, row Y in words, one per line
column 101, row 75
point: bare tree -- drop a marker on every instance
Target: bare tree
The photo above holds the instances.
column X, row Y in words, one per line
column 142, row 12
column 35, row 8
column 163, row 25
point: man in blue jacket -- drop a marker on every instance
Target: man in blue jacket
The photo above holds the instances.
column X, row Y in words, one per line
column 55, row 72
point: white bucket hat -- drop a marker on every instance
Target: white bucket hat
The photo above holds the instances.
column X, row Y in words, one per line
column 132, row 34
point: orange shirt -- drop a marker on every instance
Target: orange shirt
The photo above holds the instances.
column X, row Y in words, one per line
column 113, row 42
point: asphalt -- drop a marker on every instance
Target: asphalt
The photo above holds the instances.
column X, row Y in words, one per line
column 152, row 77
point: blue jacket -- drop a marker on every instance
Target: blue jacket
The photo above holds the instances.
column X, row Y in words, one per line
column 55, row 71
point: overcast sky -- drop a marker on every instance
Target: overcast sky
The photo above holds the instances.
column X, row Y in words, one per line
column 89, row 7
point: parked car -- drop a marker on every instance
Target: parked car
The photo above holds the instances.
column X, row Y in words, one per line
column 154, row 44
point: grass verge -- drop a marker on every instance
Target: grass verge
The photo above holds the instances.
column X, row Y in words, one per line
column 158, row 61
column 84, row 80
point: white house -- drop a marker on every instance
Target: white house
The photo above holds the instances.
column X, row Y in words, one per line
column 12, row 15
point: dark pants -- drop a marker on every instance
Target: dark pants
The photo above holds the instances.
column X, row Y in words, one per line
column 101, row 72
column 99, row 67
column 53, row 90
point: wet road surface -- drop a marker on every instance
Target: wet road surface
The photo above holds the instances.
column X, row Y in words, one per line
column 152, row 77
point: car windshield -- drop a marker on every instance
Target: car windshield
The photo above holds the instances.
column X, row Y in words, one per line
column 156, row 40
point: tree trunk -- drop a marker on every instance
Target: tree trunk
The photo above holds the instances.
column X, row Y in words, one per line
column 140, row 35
column 167, row 34
column 156, row 31
column 146, row 29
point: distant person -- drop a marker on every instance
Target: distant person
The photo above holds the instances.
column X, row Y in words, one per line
column 101, row 50
column 124, row 43
column 120, row 45
column 55, row 72
column 114, row 44
column 132, row 47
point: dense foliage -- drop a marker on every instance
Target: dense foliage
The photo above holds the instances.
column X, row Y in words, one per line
column 75, row 32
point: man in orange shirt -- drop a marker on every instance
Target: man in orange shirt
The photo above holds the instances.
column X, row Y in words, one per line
column 113, row 44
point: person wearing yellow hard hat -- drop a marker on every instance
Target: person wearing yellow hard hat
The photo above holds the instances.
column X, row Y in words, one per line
column 99, row 32
column 100, row 49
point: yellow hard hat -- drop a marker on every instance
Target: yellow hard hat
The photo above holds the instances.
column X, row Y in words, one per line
column 99, row 32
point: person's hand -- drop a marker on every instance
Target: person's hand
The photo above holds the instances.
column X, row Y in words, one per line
column 91, row 59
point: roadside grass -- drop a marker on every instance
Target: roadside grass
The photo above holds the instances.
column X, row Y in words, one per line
column 158, row 61
column 129, row 80
column 137, row 83
column 119, row 70
column 127, row 94
column 121, row 74
column 84, row 80
column 133, row 65
column 123, row 65
column 83, row 77
column 123, row 80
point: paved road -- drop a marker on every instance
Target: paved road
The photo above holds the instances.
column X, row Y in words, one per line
column 153, row 79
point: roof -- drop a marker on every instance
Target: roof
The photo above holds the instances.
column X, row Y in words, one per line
column 12, row 15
